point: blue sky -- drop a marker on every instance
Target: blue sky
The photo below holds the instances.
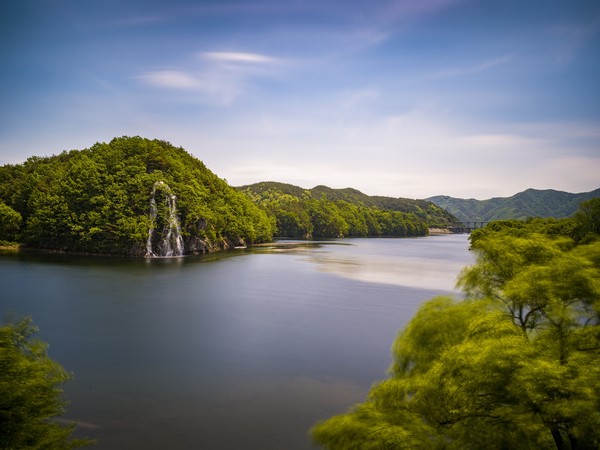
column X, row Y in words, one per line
column 469, row 98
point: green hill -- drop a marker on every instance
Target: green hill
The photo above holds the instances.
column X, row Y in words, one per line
column 326, row 212
column 132, row 196
column 529, row 203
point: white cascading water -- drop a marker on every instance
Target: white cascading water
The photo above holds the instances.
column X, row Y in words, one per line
column 171, row 243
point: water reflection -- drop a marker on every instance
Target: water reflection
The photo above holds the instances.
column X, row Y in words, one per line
column 401, row 271
column 409, row 265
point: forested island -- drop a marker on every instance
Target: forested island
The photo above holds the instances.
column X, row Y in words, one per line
column 140, row 197
column 514, row 365
column 131, row 196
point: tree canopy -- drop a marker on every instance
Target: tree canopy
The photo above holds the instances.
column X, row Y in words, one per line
column 30, row 393
column 516, row 364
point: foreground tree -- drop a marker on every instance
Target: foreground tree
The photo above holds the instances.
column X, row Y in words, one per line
column 30, row 393
column 515, row 365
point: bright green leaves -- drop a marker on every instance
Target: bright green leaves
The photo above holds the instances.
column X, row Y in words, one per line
column 563, row 391
column 30, row 392
column 368, row 426
column 540, row 280
column 452, row 368
column 551, row 291
column 438, row 324
column 515, row 365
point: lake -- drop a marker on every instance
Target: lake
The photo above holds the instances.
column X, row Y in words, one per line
column 244, row 349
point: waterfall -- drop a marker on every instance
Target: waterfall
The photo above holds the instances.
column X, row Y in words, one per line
column 169, row 242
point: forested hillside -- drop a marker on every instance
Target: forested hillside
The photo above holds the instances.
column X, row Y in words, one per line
column 132, row 196
column 529, row 203
column 325, row 212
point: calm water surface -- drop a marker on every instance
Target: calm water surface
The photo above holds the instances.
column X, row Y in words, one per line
column 240, row 350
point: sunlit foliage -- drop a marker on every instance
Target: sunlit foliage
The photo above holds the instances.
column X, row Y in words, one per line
column 514, row 365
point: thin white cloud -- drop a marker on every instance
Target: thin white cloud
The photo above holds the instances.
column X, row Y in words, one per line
column 210, row 86
column 495, row 141
column 239, row 57
column 219, row 79
column 174, row 79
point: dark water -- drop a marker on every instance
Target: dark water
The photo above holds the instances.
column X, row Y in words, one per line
column 245, row 350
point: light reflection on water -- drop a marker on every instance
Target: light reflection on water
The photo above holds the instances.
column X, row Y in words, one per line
column 408, row 266
column 246, row 349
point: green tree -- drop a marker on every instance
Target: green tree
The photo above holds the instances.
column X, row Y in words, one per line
column 10, row 222
column 588, row 218
column 354, row 216
column 30, row 393
column 326, row 218
column 515, row 365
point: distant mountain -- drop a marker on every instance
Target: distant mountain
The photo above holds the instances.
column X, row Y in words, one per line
column 529, row 203
column 427, row 211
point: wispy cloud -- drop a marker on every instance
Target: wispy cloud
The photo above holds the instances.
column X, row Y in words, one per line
column 220, row 78
column 239, row 57
column 174, row 79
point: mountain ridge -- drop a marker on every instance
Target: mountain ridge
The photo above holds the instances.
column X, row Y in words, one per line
column 424, row 209
column 531, row 202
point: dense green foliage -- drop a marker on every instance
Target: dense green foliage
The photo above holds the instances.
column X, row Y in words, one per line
column 514, row 365
column 30, row 393
column 97, row 200
column 587, row 218
column 326, row 212
column 529, row 203
column 10, row 222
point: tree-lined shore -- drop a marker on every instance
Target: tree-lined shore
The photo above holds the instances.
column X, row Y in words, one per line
column 132, row 196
